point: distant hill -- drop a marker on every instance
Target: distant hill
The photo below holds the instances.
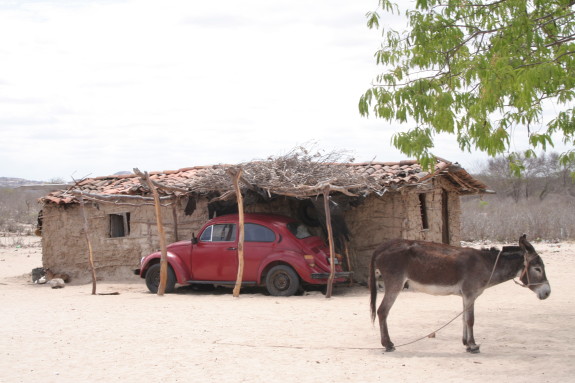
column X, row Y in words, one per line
column 13, row 182
column 10, row 182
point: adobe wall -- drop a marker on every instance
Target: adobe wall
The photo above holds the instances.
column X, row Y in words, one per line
column 433, row 194
column 377, row 219
column 64, row 246
column 398, row 215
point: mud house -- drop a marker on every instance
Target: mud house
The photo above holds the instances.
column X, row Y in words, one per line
column 370, row 202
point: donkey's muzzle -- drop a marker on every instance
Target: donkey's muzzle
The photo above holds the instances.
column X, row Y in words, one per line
column 543, row 291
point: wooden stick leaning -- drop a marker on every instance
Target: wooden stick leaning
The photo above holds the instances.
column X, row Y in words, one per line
column 326, row 191
column 164, row 258
column 175, row 218
column 90, row 253
column 107, row 197
column 236, row 179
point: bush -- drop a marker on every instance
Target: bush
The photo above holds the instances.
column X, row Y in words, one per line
column 19, row 209
column 495, row 219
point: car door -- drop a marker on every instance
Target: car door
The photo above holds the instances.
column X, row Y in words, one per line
column 215, row 256
column 259, row 243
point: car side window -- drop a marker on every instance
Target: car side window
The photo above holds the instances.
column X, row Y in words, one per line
column 207, row 234
column 258, row 233
column 219, row 233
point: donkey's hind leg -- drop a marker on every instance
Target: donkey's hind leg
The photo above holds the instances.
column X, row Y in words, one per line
column 392, row 290
column 468, row 322
column 464, row 316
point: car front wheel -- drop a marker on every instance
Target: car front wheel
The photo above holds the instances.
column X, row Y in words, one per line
column 282, row 281
column 153, row 279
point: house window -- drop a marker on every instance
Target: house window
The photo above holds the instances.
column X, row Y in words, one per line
column 119, row 225
column 423, row 211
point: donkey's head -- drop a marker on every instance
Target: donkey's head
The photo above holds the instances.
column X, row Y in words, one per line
column 533, row 274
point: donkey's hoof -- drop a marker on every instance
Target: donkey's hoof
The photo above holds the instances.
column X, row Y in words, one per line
column 389, row 348
column 473, row 349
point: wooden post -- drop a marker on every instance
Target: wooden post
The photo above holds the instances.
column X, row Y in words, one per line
column 348, row 259
column 236, row 178
column 90, row 254
column 125, row 223
column 175, row 215
column 164, row 258
column 330, row 238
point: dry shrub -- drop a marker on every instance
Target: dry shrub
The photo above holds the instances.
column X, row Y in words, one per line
column 18, row 210
column 12, row 240
column 300, row 172
column 495, row 219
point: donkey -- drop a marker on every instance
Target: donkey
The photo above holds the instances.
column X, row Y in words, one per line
column 440, row 269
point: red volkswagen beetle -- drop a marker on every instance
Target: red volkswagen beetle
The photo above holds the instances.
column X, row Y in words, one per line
column 279, row 253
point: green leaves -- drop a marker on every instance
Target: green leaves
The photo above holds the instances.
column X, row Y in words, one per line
column 372, row 20
column 477, row 70
column 415, row 143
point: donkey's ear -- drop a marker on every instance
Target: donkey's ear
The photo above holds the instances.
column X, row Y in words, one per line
column 524, row 244
column 522, row 241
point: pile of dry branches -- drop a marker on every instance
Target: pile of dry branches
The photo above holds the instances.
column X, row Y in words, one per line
column 299, row 173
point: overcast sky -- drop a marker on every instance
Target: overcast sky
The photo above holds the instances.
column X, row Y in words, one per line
column 90, row 88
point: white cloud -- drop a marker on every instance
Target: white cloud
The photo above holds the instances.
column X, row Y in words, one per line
column 95, row 87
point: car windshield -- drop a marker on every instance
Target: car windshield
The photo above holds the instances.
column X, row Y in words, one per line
column 299, row 230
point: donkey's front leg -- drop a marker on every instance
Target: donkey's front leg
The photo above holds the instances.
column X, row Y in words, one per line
column 468, row 322
column 391, row 293
column 464, row 336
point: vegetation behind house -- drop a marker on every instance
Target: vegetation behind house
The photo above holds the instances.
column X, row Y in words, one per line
column 540, row 203
column 19, row 210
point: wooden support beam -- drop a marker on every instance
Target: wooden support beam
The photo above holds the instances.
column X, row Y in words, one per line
column 164, row 257
column 117, row 196
column 175, row 216
column 348, row 260
column 236, row 180
column 308, row 191
column 169, row 188
column 90, row 253
column 329, row 291
column 124, row 203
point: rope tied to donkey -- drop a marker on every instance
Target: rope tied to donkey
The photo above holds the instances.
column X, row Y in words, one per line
column 526, row 273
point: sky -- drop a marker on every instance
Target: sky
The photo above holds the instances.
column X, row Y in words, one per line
column 90, row 88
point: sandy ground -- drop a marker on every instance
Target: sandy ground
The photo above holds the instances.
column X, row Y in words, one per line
column 57, row 335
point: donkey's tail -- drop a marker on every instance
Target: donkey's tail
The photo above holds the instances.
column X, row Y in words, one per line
column 372, row 286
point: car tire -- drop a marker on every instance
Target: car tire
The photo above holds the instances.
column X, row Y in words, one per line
column 153, row 279
column 282, row 281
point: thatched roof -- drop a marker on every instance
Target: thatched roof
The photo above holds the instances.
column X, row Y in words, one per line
column 293, row 175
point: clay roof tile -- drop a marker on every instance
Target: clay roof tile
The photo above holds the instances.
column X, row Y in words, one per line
column 387, row 174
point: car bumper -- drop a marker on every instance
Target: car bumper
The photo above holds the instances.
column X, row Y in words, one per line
column 341, row 274
column 137, row 271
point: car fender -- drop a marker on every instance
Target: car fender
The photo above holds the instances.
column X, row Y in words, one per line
column 293, row 259
column 182, row 275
